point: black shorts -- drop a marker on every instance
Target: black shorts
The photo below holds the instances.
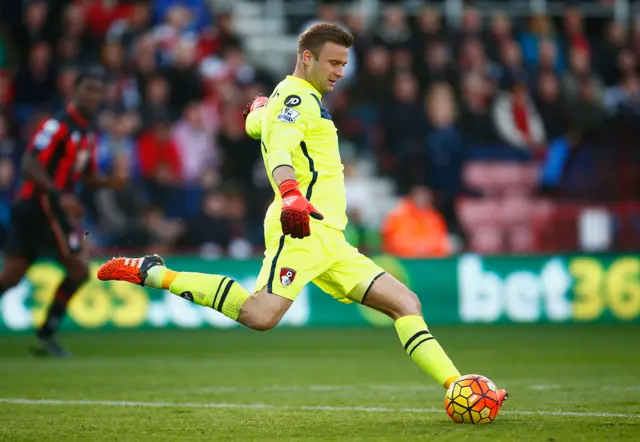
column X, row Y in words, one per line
column 40, row 229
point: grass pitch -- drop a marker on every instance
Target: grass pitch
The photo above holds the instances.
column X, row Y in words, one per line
column 566, row 383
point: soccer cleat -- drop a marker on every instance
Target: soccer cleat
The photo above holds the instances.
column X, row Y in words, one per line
column 502, row 396
column 133, row 270
column 49, row 347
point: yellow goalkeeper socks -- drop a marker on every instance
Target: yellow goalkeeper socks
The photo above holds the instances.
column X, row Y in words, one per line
column 425, row 350
column 214, row 291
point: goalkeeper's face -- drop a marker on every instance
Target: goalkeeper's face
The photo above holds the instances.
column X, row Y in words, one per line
column 325, row 71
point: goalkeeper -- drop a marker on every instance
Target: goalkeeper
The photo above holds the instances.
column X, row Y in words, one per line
column 304, row 224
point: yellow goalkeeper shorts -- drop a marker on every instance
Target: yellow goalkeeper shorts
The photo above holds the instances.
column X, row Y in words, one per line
column 324, row 258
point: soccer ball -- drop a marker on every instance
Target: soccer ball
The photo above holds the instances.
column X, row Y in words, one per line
column 472, row 399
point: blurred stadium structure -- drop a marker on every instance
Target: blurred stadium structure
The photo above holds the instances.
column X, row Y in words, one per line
column 522, row 117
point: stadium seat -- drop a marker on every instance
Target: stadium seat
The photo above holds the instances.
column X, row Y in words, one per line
column 486, row 240
column 512, row 177
column 521, row 239
column 515, row 210
column 483, row 212
column 480, row 175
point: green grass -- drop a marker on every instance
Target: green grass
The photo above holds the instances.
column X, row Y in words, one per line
column 319, row 385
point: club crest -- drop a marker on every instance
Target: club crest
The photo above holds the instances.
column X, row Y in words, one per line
column 287, row 276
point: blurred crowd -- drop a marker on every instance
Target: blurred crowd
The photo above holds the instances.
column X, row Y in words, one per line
column 420, row 99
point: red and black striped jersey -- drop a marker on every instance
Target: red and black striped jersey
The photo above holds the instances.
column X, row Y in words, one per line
column 65, row 146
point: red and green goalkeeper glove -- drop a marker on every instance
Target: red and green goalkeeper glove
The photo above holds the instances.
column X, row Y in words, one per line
column 257, row 102
column 296, row 209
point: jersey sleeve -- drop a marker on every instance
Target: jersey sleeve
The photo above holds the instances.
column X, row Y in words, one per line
column 288, row 120
column 253, row 124
column 47, row 139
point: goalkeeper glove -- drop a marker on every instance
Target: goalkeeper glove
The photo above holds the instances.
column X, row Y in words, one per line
column 257, row 102
column 296, row 209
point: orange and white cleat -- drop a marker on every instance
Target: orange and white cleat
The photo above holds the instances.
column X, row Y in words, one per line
column 502, row 396
column 133, row 270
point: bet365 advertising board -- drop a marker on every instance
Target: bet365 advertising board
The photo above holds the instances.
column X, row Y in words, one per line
column 463, row 289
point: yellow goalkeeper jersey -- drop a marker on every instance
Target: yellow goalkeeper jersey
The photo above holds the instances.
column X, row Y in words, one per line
column 297, row 130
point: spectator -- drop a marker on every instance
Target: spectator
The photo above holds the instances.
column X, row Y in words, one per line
column 614, row 42
column 574, row 37
column 74, row 29
column 8, row 145
column 587, row 113
column 436, row 66
column 184, row 83
column 195, row 141
column 394, row 32
column 65, row 85
column 635, row 37
column 444, row 153
column 130, row 28
column 357, row 25
column 540, row 29
column 473, row 59
column 429, row 31
column 209, row 229
column 162, row 233
column 159, row 159
column 551, row 105
column 403, row 121
column 7, row 180
column 35, row 83
column 402, row 61
column 216, row 39
column 476, row 123
column 233, row 66
column 155, row 98
column 555, row 163
column 200, row 16
column 512, row 65
column 100, row 15
column 580, row 71
column 373, row 87
column 144, row 62
column 172, row 31
column 116, row 143
column 112, row 55
column 119, row 212
column 69, row 52
column 246, row 232
column 240, row 153
column 7, row 111
column 500, row 32
column 627, row 63
column 415, row 229
column 36, row 25
column 549, row 62
column 471, row 27
column 624, row 99
column 516, row 118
